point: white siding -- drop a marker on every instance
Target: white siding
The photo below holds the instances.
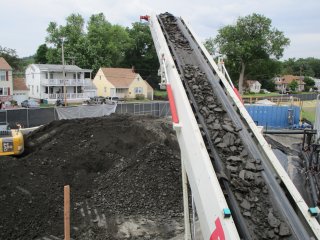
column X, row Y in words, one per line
column 33, row 78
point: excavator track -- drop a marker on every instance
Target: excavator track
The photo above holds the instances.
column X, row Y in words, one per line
column 260, row 207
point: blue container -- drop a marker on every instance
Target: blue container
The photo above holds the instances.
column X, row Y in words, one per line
column 274, row 116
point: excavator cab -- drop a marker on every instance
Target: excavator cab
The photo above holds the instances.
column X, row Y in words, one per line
column 11, row 141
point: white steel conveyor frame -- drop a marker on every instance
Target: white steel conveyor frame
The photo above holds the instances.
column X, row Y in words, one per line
column 208, row 195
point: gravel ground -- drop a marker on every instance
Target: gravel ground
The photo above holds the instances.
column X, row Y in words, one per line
column 124, row 174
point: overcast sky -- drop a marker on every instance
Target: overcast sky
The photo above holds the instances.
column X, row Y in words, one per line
column 23, row 23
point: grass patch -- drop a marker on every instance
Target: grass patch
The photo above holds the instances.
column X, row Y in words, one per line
column 309, row 114
column 160, row 93
column 260, row 95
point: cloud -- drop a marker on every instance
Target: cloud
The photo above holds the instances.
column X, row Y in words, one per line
column 25, row 22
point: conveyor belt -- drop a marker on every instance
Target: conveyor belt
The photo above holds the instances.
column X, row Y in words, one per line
column 260, row 207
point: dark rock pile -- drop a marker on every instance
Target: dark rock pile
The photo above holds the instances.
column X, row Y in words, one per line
column 118, row 168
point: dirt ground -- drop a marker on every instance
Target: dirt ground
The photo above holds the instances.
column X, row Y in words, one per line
column 124, row 174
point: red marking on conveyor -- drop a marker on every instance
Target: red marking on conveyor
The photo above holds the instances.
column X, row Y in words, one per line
column 218, row 233
column 238, row 94
column 173, row 108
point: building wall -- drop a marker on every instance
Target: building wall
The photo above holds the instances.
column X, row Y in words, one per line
column 33, row 78
column 102, row 84
column 7, row 84
column 256, row 87
column 59, row 75
column 20, row 96
column 137, row 83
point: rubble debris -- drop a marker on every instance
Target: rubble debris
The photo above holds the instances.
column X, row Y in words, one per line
column 121, row 170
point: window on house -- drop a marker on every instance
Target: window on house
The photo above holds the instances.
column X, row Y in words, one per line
column 2, row 75
column 79, row 75
column 74, row 76
column 32, row 89
column 4, row 91
column 37, row 89
column 105, row 89
column 138, row 90
column 32, row 75
column 100, row 77
column 47, row 75
column 51, row 75
column 120, row 90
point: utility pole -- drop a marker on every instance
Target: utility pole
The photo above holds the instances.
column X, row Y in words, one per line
column 63, row 73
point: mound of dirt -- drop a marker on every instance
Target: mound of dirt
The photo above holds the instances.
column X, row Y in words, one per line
column 124, row 174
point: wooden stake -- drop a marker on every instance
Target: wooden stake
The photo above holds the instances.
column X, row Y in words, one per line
column 67, row 212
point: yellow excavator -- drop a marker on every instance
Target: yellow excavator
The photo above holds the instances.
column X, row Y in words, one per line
column 11, row 141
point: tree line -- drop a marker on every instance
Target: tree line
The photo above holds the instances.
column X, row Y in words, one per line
column 252, row 48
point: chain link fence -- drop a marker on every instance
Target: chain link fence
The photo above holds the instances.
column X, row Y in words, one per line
column 28, row 117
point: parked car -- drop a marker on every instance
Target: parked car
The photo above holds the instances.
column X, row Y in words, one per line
column 60, row 102
column 30, row 103
column 95, row 100
column 265, row 90
column 99, row 100
column 114, row 99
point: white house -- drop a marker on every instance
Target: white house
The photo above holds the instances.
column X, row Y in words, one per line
column 20, row 90
column 6, row 85
column 46, row 83
column 316, row 83
column 253, row 86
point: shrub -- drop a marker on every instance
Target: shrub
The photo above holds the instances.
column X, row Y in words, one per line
column 13, row 103
column 140, row 97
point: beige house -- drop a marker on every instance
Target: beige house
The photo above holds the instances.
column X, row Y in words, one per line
column 283, row 82
column 6, row 84
column 122, row 83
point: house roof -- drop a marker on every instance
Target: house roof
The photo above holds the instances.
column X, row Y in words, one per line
column 286, row 79
column 19, row 84
column 4, row 65
column 251, row 82
column 119, row 77
column 59, row 68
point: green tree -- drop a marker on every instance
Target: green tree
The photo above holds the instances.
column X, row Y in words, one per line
column 102, row 44
column 293, row 85
column 250, row 39
column 10, row 55
column 309, row 83
column 71, row 34
column 41, row 55
column 141, row 53
column 302, row 67
column 210, row 45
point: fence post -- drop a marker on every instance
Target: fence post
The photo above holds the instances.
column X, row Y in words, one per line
column 27, row 117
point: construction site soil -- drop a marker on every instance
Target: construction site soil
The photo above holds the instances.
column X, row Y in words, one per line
column 123, row 171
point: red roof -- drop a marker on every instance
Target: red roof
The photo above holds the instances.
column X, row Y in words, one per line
column 4, row 65
column 286, row 79
column 19, row 84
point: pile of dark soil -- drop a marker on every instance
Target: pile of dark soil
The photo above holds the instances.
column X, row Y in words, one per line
column 119, row 168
